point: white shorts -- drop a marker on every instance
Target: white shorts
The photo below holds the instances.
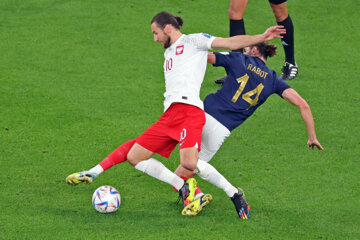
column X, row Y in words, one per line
column 213, row 136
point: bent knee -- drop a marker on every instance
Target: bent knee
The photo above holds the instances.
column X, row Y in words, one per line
column 137, row 154
column 189, row 166
column 131, row 158
column 189, row 163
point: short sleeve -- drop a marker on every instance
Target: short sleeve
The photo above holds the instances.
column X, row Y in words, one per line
column 202, row 41
column 280, row 86
column 222, row 59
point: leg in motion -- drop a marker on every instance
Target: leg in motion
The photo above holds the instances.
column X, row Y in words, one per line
column 290, row 69
column 116, row 157
column 241, row 206
column 236, row 21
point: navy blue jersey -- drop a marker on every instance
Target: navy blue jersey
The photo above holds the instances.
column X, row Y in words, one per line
column 249, row 83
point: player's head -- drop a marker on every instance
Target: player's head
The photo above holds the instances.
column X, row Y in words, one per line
column 262, row 50
column 162, row 26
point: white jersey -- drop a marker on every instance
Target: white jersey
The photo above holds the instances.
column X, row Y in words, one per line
column 184, row 69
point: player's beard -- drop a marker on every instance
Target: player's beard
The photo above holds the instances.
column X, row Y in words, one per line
column 167, row 42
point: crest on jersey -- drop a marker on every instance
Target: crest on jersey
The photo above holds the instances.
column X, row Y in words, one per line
column 179, row 50
column 206, row 35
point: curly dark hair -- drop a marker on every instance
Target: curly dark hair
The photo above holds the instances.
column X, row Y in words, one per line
column 165, row 18
column 266, row 50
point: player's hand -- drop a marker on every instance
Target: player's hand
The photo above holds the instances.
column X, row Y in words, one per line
column 274, row 32
column 314, row 143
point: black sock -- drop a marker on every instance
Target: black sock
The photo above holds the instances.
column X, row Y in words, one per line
column 237, row 27
column 288, row 40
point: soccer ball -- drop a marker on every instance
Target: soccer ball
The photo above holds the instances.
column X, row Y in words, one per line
column 106, row 199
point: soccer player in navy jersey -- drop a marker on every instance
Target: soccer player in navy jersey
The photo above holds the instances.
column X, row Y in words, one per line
column 250, row 82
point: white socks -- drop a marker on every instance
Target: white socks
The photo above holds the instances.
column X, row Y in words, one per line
column 97, row 169
column 157, row 170
column 210, row 174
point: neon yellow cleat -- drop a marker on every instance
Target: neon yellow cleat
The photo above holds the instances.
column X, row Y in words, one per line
column 187, row 192
column 195, row 207
column 80, row 177
column 192, row 188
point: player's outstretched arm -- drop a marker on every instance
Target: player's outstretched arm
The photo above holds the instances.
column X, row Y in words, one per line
column 294, row 98
column 241, row 41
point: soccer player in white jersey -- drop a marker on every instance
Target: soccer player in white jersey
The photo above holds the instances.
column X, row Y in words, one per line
column 184, row 117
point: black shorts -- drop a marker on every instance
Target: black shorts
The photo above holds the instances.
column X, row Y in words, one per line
column 277, row 1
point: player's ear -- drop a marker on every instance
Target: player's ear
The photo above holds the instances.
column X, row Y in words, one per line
column 254, row 51
column 167, row 28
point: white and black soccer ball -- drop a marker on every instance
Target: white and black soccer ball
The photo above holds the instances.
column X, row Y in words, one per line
column 106, row 199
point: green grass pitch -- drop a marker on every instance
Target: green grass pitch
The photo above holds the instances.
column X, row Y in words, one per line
column 80, row 77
